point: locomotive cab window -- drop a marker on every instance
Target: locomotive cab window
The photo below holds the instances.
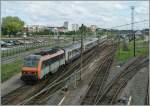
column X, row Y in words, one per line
column 30, row 62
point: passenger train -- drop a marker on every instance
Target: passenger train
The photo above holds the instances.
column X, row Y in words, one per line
column 37, row 65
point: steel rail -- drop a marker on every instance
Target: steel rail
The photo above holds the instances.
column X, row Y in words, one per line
column 49, row 87
column 60, row 84
column 91, row 87
column 8, row 97
column 128, row 74
column 123, row 83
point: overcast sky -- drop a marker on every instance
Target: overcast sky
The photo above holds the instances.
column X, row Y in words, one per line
column 104, row 14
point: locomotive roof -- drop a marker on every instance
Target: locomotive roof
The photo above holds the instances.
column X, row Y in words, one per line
column 33, row 57
column 47, row 51
column 38, row 55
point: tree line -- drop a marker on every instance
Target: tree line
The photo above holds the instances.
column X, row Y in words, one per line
column 14, row 26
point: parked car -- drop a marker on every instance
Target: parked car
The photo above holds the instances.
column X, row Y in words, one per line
column 39, row 41
column 9, row 43
column 3, row 44
column 45, row 41
column 17, row 42
column 21, row 41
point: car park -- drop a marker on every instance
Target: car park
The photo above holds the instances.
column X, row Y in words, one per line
column 17, row 42
column 9, row 43
column 39, row 41
column 21, row 41
column 3, row 44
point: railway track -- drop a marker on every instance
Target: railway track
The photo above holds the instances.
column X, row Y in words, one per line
column 56, row 97
column 59, row 84
column 98, row 81
column 109, row 96
column 17, row 96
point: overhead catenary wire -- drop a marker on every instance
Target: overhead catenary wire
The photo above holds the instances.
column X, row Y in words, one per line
column 135, row 22
column 132, row 23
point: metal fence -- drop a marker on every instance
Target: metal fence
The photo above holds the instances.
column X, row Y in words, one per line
column 22, row 48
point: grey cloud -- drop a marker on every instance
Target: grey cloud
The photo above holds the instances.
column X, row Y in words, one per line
column 55, row 12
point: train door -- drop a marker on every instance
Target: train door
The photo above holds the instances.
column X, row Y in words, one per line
column 68, row 55
column 43, row 69
column 55, row 64
column 84, row 47
column 46, row 70
column 49, row 65
column 59, row 60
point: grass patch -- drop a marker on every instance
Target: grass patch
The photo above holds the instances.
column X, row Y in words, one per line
column 8, row 70
column 142, row 48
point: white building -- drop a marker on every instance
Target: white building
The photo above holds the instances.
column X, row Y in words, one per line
column 35, row 28
column 93, row 28
column 138, row 33
column 66, row 24
column 75, row 27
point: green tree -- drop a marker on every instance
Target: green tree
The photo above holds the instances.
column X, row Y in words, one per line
column 12, row 25
column 89, row 32
column 83, row 30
